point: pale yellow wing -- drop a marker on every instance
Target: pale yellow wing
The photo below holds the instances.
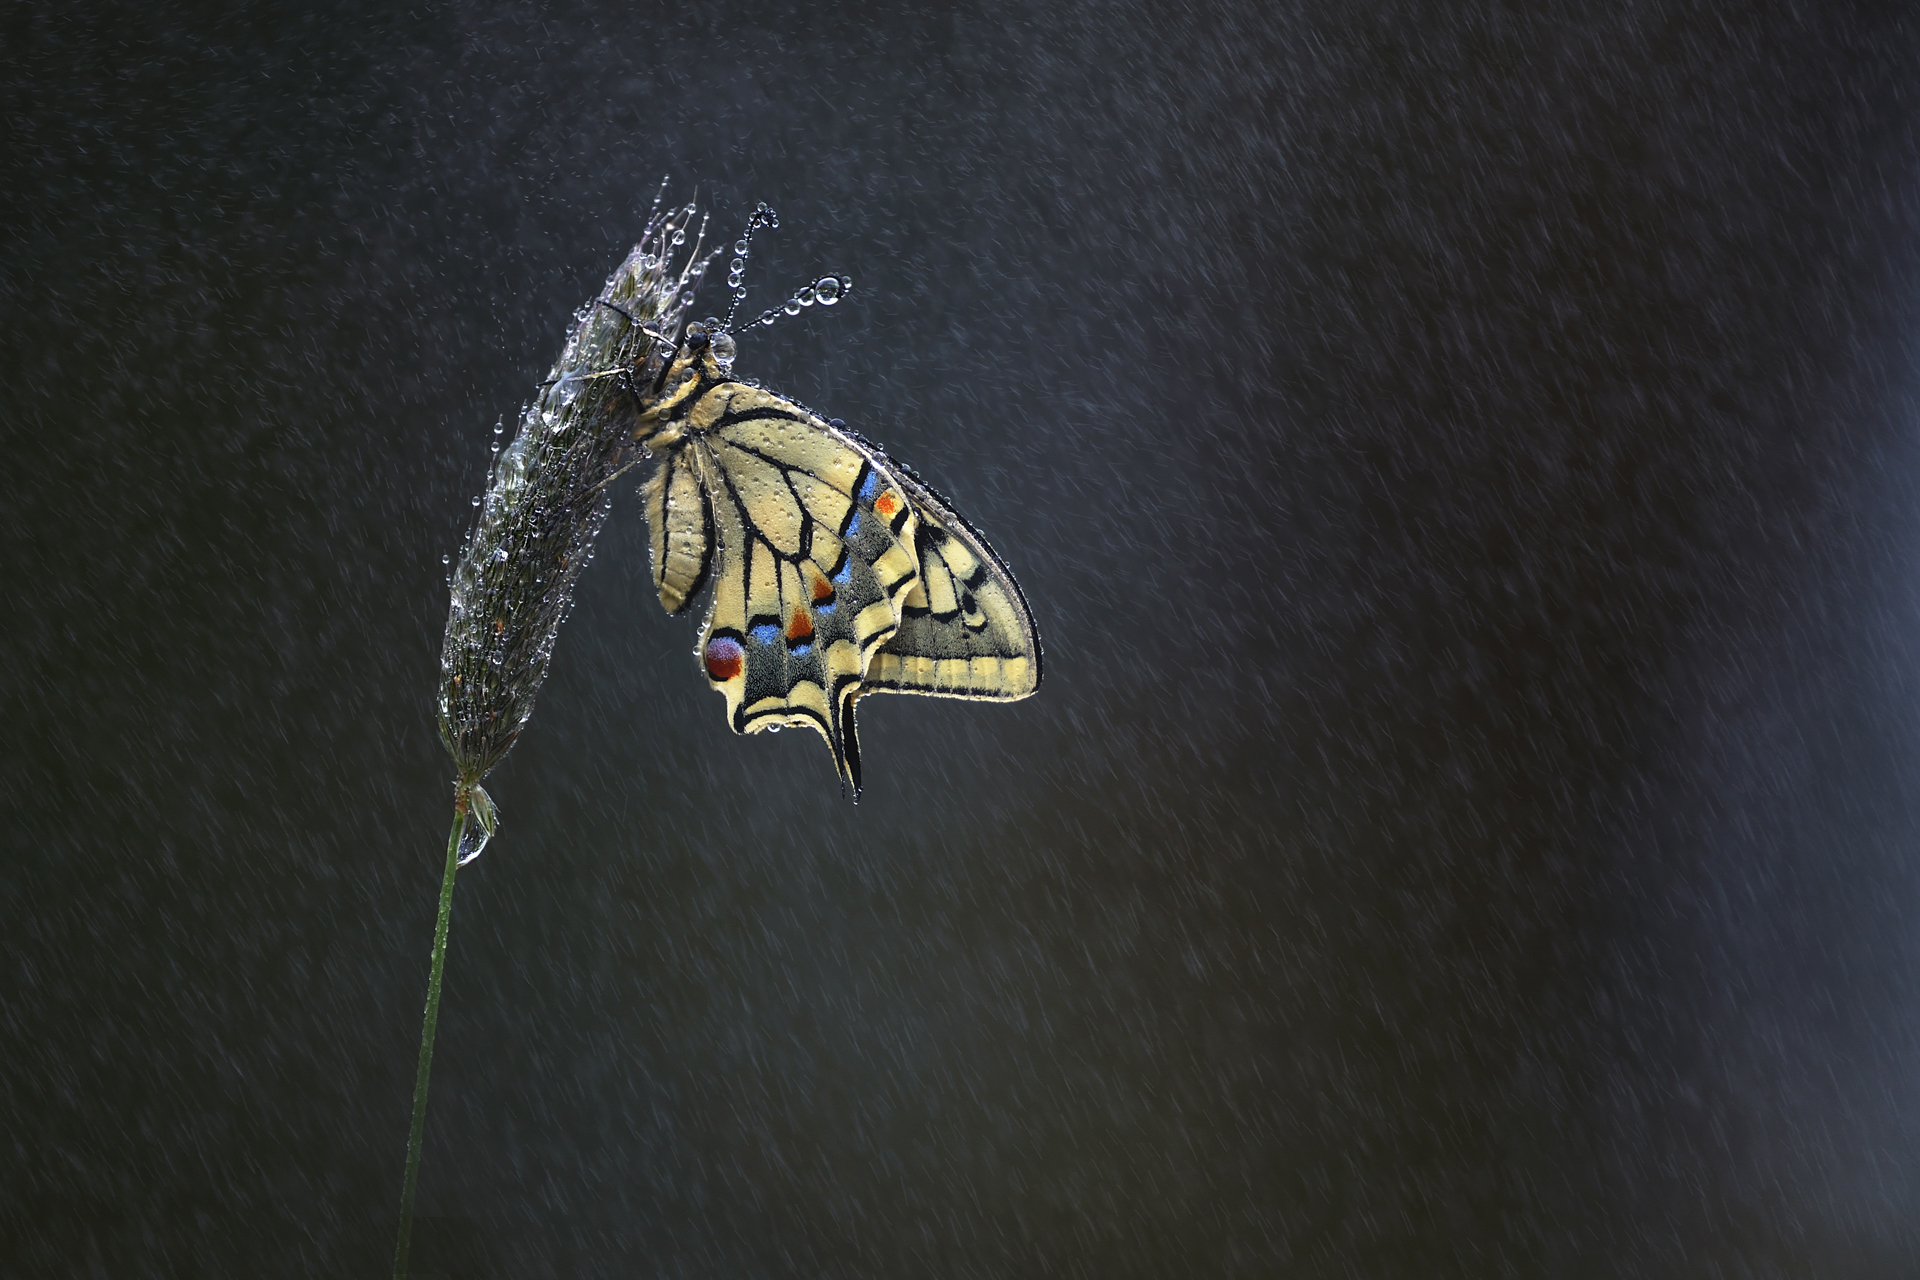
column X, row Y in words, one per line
column 679, row 525
column 965, row 628
column 814, row 539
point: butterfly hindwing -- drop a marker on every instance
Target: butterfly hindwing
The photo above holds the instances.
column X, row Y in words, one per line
column 813, row 561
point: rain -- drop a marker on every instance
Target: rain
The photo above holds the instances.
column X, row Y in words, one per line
column 1462, row 463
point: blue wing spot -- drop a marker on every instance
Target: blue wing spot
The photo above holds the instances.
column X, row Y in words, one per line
column 765, row 633
column 853, row 527
column 869, row 487
column 841, row 578
column 801, row 650
column 824, row 608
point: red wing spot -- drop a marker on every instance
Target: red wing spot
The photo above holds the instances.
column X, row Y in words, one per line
column 822, row 590
column 801, row 628
column 886, row 504
column 725, row 657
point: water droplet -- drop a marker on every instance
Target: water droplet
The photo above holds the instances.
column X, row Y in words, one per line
column 446, row 559
column 827, row 290
column 740, row 247
column 679, row 236
column 773, row 728
column 792, row 306
column 733, row 281
column 805, row 296
column 568, row 389
column 736, row 266
column 724, row 349
column 499, row 426
column 476, row 502
column 474, row 839
column 500, row 556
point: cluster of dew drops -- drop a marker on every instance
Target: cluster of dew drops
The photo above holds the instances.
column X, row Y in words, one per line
column 499, row 428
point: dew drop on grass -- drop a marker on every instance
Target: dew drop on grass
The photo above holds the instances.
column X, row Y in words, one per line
column 472, row 842
column 482, row 821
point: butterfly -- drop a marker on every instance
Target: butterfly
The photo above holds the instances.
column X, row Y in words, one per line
column 834, row 571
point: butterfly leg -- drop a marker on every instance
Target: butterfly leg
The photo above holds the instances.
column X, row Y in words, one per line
column 659, row 439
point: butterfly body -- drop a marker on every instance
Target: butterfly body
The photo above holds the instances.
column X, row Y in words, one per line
column 834, row 571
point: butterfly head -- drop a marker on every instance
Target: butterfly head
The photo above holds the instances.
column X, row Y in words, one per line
column 705, row 354
column 709, row 347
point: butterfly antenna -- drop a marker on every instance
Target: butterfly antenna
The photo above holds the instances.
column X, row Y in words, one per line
column 826, row 291
column 763, row 216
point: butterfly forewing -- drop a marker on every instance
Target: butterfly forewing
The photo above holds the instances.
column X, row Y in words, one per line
column 965, row 631
column 679, row 523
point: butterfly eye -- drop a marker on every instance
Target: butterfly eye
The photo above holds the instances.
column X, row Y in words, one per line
column 697, row 339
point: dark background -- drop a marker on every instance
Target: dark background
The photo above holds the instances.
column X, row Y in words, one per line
column 1463, row 465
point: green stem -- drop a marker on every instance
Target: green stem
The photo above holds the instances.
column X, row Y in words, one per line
column 426, row 1040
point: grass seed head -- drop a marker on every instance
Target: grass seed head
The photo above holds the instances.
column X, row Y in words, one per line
column 547, row 495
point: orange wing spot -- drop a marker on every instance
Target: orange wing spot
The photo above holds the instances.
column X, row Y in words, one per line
column 801, row 628
column 886, row 504
column 822, row 590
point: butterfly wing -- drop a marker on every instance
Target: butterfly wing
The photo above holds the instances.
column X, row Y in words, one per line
column 814, row 538
column 965, row 628
column 680, row 525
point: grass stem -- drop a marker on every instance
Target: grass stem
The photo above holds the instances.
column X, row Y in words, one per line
column 426, row 1041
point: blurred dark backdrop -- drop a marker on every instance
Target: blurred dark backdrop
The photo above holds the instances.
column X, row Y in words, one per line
column 1462, row 461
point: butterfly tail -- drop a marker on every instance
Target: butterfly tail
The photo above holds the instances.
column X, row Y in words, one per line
column 846, row 748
